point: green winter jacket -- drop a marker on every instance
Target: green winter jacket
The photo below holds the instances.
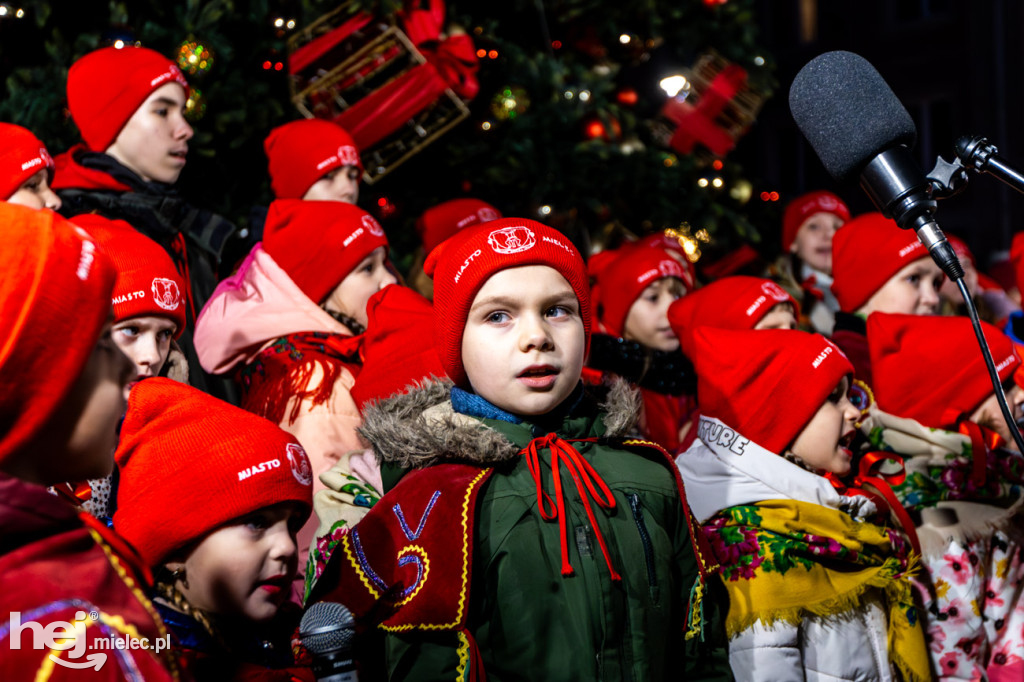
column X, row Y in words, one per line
column 529, row 621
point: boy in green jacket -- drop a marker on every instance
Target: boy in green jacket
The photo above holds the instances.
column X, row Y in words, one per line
column 532, row 538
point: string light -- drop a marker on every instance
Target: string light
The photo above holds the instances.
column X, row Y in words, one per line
column 675, row 85
column 544, row 210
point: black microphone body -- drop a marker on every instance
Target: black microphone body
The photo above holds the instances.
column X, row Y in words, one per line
column 858, row 127
column 327, row 630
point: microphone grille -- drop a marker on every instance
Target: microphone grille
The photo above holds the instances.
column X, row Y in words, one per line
column 847, row 112
column 327, row 627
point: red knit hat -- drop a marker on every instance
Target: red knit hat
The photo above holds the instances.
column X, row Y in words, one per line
column 22, row 155
column 107, row 86
column 737, row 302
column 620, row 279
column 664, row 240
column 926, row 366
column 462, row 264
column 768, row 384
column 301, row 152
column 147, row 281
column 56, row 284
column 868, row 251
column 806, row 205
column 442, row 221
column 318, row 243
column 190, row 463
column 394, row 355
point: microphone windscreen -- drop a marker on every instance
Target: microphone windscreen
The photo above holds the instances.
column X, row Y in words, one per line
column 327, row 627
column 847, row 112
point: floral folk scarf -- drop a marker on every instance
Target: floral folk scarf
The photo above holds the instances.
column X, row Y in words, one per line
column 783, row 560
column 282, row 375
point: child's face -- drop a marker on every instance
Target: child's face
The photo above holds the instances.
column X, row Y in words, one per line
column 647, row 319
column 822, row 445
column 146, row 340
column 84, row 427
column 914, row 290
column 246, row 568
column 781, row 316
column 352, row 293
column 813, row 242
column 154, row 141
column 36, row 193
column 341, row 184
column 523, row 344
column 990, row 416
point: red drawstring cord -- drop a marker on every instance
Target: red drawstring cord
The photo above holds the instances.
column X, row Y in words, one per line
column 585, row 477
column 883, row 483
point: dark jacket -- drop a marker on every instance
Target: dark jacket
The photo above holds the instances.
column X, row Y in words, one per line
column 54, row 564
column 528, row 619
column 92, row 182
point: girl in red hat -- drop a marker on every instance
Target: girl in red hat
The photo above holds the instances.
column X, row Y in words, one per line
column 225, row 562
column 633, row 288
column 149, row 314
column 936, row 409
column 819, row 583
column 287, row 326
column 805, row 268
column 26, row 169
column 59, row 413
column 877, row 267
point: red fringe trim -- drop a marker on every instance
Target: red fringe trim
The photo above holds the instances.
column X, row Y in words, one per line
column 285, row 381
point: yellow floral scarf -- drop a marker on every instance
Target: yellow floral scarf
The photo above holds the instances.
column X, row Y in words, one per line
column 785, row 559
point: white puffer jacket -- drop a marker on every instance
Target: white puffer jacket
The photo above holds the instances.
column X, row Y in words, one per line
column 725, row 470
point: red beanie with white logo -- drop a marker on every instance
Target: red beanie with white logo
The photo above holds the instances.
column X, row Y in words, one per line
column 107, row 86
column 622, row 275
column 147, row 281
column 442, row 221
column 767, row 384
column 737, row 302
column 56, row 285
column 462, row 264
column 318, row 243
column 394, row 354
column 806, row 205
column 866, row 253
column 925, row 367
column 664, row 240
column 190, row 463
column 301, row 152
column 22, row 155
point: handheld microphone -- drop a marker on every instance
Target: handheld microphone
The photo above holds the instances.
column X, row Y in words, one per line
column 327, row 630
column 857, row 126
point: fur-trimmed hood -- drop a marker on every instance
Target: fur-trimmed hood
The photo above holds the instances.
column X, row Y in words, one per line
column 420, row 428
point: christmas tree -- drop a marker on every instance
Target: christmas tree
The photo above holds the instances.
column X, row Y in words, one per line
column 569, row 124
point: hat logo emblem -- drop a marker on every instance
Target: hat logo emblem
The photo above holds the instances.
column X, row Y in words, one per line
column 348, row 156
column 510, row 240
column 300, row 463
column 166, row 293
column 373, row 226
column 487, row 214
column 670, row 268
column 773, row 290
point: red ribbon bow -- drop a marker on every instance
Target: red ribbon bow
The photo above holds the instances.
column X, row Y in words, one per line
column 588, row 484
column 884, row 498
column 982, row 441
column 698, row 123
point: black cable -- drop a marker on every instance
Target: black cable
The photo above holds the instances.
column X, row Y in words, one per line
column 992, row 373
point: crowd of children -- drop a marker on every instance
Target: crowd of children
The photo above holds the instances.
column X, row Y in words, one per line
column 530, row 463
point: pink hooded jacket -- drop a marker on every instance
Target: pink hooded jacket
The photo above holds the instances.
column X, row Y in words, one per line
column 246, row 313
